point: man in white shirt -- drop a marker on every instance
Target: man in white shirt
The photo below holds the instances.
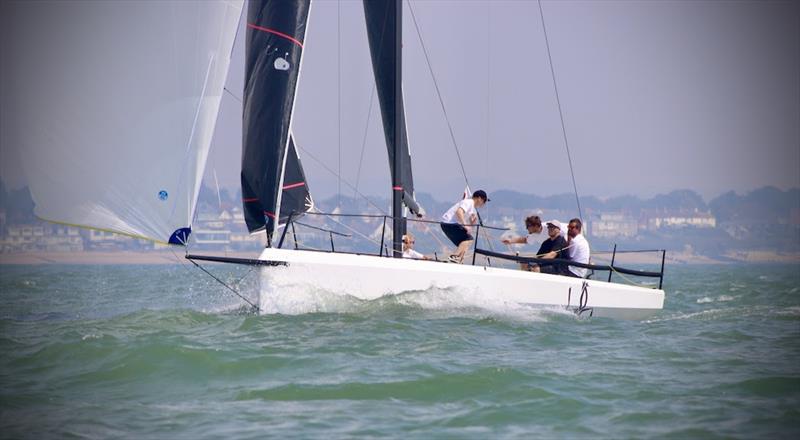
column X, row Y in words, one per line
column 533, row 224
column 457, row 218
column 578, row 248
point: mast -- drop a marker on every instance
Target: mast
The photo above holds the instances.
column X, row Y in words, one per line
column 398, row 220
column 385, row 33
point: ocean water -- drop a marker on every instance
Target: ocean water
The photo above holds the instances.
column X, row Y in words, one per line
column 166, row 352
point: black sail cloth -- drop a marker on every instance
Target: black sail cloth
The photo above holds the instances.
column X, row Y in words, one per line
column 382, row 22
column 273, row 182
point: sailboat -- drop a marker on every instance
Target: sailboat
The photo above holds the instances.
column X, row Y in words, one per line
column 161, row 142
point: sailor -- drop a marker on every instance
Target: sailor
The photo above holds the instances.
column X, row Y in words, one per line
column 578, row 248
column 533, row 224
column 457, row 218
column 554, row 247
column 408, row 249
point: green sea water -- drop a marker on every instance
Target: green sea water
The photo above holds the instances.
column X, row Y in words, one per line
column 166, row 352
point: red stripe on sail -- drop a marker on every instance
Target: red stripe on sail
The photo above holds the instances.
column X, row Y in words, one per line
column 269, row 214
column 293, row 185
column 254, row 199
column 274, row 32
column 397, row 188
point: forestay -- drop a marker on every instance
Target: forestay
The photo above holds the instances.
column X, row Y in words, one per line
column 115, row 107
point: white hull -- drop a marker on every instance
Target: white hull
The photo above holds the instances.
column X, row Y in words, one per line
column 368, row 277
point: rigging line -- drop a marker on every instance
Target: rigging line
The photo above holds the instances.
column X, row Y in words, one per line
column 216, row 183
column 177, row 258
column 339, row 91
column 343, row 180
column 249, row 271
column 438, row 92
column 234, row 96
column 219, row 195
column 560, row 112
column 428, row 231
column 226, row 286
column 488, row 89
column 364, row 140
column 630, row 281
column 350, row 228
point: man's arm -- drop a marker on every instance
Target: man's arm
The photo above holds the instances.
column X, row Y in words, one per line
column 460, row 216
column 559, row 251
column 515, row 240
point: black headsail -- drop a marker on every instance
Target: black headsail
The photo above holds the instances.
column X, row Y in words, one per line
column 295, row 198
column 272, row 177
column 385, row 30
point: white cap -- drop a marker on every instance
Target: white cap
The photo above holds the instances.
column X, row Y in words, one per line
column 555, row 223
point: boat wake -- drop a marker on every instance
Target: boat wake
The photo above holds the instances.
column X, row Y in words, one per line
column 434, row 302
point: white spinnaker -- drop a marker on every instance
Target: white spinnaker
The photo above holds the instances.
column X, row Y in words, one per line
column 114, row 107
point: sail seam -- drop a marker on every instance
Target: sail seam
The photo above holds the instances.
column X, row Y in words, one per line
column 274, row 32
column 293, row 185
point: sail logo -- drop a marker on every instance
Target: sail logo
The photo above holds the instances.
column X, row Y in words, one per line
column 162, row 195
column 281, row 64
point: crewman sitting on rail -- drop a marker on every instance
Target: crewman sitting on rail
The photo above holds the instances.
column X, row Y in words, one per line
column 408, row 249
column 533, row 224
column 554, row 247
column 578, row 248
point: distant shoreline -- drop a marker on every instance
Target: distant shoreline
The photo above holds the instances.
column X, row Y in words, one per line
column 103, row 257
column 169, row 257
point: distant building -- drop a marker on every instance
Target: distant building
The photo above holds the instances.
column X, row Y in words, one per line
column 610, row 225
column 105, row 240
column 694, row 219
column 41, row 237
column 22, row 238
column 61, row 238
column 211, row 230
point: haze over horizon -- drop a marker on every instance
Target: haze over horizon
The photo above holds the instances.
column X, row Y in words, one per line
column 656, row 97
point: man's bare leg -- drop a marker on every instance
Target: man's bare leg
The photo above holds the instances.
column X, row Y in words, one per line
column 462, row 249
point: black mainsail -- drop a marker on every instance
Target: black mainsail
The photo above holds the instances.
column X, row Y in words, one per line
column 385, row 32
column 273, row 182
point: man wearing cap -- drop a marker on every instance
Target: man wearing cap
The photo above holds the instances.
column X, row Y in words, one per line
column 457, row 218
column 533, row 224
column 554, row 247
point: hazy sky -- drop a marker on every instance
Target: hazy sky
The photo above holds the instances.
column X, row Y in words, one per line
column 656, row 96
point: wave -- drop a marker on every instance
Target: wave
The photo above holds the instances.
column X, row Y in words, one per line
column 720, row 298
column 442, row 386
column 434, row 302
